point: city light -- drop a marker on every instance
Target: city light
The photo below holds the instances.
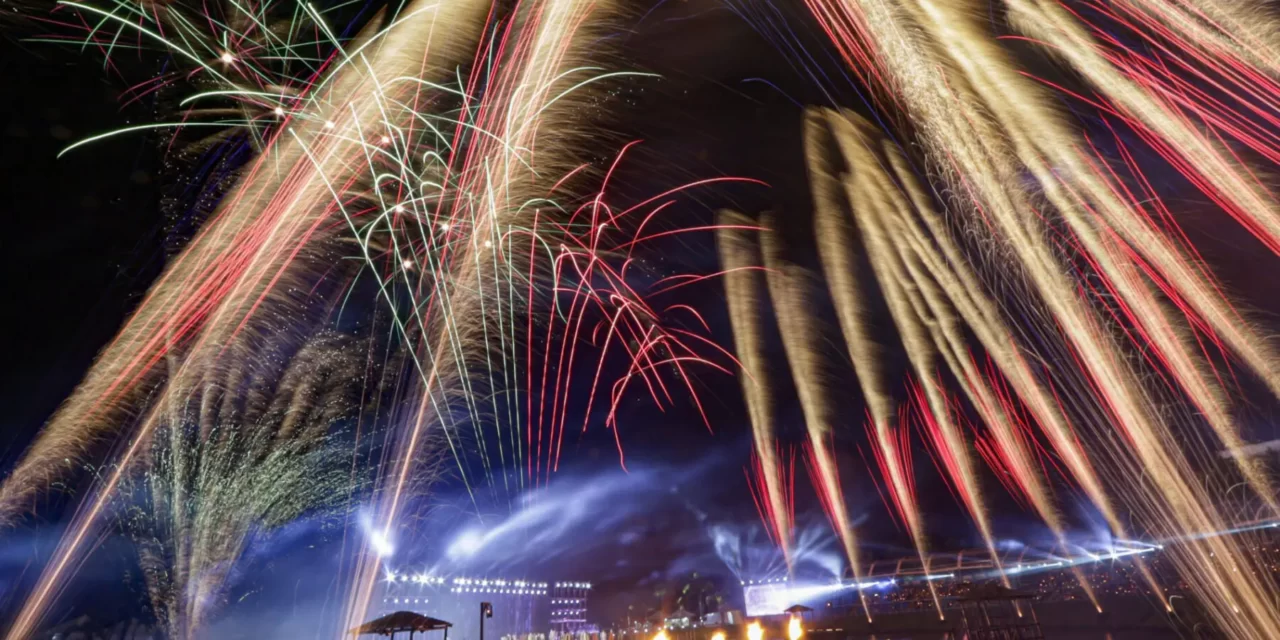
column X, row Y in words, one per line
column 764, row 596
column 378, row 540
column 773, row 599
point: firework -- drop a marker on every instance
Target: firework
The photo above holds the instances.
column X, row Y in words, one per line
column 740, row 255
column 917, row 264
column 835, row 239
column 225, row 465
column 988, row 126
column 787, row 288
column 244, row 273
column 434, row 157
column 438, row 147
column 240, row 270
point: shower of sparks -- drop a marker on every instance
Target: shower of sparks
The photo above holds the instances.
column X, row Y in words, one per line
column 437, row 151
column 1107, row 286
column 427, row 154
column 224, row 465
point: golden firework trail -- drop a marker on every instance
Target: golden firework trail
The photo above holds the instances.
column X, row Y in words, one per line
column 987, row 125
column 1042, row 141
column 918, row 263
column 741, row 258
column 449, row 230
column 787, row 284
column 445, row 190
column 871, row 200
column 521, row 111
column 835, row 233
column 981, row 315
column 240, row 273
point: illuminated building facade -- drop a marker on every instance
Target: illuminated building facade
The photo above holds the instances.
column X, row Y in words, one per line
column 569, row 606
column 520, row 606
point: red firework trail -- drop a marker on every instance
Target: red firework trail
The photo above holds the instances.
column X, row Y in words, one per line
column 755, row 474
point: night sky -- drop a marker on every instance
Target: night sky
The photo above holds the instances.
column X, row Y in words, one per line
column 85, row 235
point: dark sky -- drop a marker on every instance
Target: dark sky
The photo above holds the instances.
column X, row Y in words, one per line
column 85, row 233
column 84, row 236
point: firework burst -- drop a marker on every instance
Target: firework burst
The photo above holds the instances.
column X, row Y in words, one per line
column 239, row 457
column 431, row 159
column 1100, row 266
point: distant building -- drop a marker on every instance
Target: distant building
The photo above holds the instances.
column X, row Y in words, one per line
column 569, row 606
column 520, row 607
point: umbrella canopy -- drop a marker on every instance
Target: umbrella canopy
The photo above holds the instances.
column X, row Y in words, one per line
column 400, row 621
column 798, row 608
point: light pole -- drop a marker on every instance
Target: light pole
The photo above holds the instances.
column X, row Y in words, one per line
column 486, row 611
